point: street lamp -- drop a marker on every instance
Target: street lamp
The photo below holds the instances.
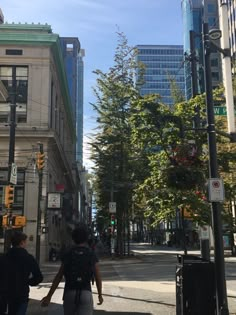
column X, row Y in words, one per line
column 222, row 304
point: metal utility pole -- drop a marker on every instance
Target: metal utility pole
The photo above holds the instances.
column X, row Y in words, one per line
column 40, row 165
column 226, row 64
column 193, row 63
column 204, row 243
column 194, row 79
column 11, row 158
column 221, row 295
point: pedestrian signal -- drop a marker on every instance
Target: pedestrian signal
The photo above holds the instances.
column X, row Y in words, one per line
column 9, row 196
column 40, row 160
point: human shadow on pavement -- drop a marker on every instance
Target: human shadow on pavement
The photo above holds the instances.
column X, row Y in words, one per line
column 116, row 296
column 101, row 312
column 57, row 309
column 139, row 300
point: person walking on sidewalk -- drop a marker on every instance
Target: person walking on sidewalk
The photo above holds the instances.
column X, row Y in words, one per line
column 20, row 271
column 79, row 268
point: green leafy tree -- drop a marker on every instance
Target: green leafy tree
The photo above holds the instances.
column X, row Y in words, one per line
column 111, row 145
column 176, row 169
column 148, row 159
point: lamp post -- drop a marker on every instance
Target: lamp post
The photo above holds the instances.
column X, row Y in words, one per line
column 222, row 305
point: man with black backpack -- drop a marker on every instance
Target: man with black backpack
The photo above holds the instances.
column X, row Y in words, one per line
column 79, row 268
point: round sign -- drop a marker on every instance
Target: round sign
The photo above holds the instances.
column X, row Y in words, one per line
column 216, row 184
column 13, row 169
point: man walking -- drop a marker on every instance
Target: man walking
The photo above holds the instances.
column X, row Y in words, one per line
column 79, row 266
column 22, row 271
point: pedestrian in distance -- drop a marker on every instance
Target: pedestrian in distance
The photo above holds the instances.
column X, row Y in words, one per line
column 79, row 267
column 20, row 272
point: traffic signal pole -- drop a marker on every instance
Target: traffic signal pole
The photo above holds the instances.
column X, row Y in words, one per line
column 11, row 158
column 40, row 166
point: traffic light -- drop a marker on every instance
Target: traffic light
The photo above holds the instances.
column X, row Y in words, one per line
column 40, row 160
column 18, row 221
column 4, row 220
column 112, row 219
column 9, row 196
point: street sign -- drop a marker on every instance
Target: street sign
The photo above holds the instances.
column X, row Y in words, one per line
column 54, row 201
column 216, row 190
column 220, row 111
column 13, row 177
column 112, row 207
column 204, row 232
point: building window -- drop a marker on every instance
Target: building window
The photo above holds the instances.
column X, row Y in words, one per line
column 19, row 195
column 212, row 21
column 4, row 119
column 1, row 195
column 215, row 76
column 211, row 8
column 7, row 75
column 214, row 62
column 14, row 52
column 69, row 46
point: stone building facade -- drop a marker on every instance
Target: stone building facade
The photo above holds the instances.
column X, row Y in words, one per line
column 31, row 55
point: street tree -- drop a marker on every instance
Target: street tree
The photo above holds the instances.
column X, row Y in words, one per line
column 111, row 144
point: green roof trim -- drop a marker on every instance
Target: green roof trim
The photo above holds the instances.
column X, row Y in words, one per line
column 26, row 27
column 10, row 34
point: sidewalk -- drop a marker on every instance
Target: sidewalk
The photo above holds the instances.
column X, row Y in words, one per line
column 148, row 249
column 155, row 296
column 145, row 249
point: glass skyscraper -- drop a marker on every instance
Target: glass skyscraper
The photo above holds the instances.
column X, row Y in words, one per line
column 232, row 26
column 163, row 63
column 73, row 60
column 195, row 13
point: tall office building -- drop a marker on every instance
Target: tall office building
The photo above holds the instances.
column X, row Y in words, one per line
column 163, row 63
column 1, row 17
column 73, row 59
column 232, row 26
column 195, row 12
column 80, row 120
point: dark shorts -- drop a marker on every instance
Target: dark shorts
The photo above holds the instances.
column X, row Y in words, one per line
column 76, row 303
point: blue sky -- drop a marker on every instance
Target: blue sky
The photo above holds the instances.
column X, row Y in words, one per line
column 95, row 23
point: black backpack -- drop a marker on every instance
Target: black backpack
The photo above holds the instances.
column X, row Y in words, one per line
column 79, row 268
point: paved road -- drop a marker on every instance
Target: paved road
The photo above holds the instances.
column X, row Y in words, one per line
column 143, row 284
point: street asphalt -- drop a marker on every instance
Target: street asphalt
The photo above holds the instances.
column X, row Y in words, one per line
column 125, row 292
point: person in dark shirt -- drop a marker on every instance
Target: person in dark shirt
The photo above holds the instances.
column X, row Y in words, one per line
column 22, row 271
column 77, row 302
column 3, row 281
